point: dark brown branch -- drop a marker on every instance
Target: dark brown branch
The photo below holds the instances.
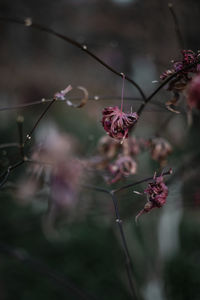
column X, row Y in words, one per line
column 177, row 27
column 169, row 172
column 29, row 135
column 43, row 101
column 74, row 43
column 129, row 265
column 140, row 110
column 20, row 121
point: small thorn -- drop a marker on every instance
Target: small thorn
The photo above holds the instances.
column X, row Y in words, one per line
column 138, row 193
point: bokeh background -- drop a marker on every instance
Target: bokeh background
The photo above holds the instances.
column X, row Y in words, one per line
column 83, row 258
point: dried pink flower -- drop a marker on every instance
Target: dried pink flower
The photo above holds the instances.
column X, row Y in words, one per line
column 117, row 123
column 124, row 166
column 178, row 84
column 188, row 57
column 193, row 93
column 61, row 95
column 157, row 192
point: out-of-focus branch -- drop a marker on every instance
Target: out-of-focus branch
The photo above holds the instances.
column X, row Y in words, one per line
column 41, row 268
column 20, row 121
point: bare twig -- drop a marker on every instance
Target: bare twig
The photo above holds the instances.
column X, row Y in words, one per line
column 169, row 172
column 20, row 121
column 143, row 105
column 177, row 27
column 9, row 145
column 43, row 101
column 74, row 43
column 129, row 265
column 29, row 135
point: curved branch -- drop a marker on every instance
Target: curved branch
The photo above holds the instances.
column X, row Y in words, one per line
column 74, row 43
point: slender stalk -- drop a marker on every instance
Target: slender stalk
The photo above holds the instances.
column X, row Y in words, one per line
column 141, row 108
column 95, row 98
column 138, row 182
column 129, row 265
column 29, row 135
column 10, row 168
column 95, row 188
column 122, row 97
column 9, row 145
column 74, row 43
column 20, row 121
column 177, row 27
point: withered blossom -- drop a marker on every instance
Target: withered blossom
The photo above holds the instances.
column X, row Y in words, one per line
column 188, row 57
column 160, row 149
column 117, row 123
column 124, row 166
column 178, row 84
column 157, row 193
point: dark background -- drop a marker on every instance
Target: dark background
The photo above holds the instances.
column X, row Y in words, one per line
column 139, row 39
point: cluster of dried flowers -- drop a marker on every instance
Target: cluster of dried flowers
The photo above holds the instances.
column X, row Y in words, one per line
column 119, row 160
column 186, row 79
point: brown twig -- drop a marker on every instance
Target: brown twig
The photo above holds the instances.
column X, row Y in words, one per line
column 29, row 135
column 74, row 43
column 143, row 105
column 177, row 26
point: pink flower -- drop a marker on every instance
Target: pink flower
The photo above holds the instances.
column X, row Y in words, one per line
column 193, row 93
column 124, row 166
column 117, row 123
column 188, row 57
column 157, row 193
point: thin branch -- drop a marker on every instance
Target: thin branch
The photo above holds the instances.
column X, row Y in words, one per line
column 143, row 105
column 42, row 268
column 42, row 101
column 20, row 121
column 29, row 135
column 177, row 27
column 95, row 188
column 129, row 265
column 10, row 168
column 9, row 145
column 169, row 172
column 74, row 43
